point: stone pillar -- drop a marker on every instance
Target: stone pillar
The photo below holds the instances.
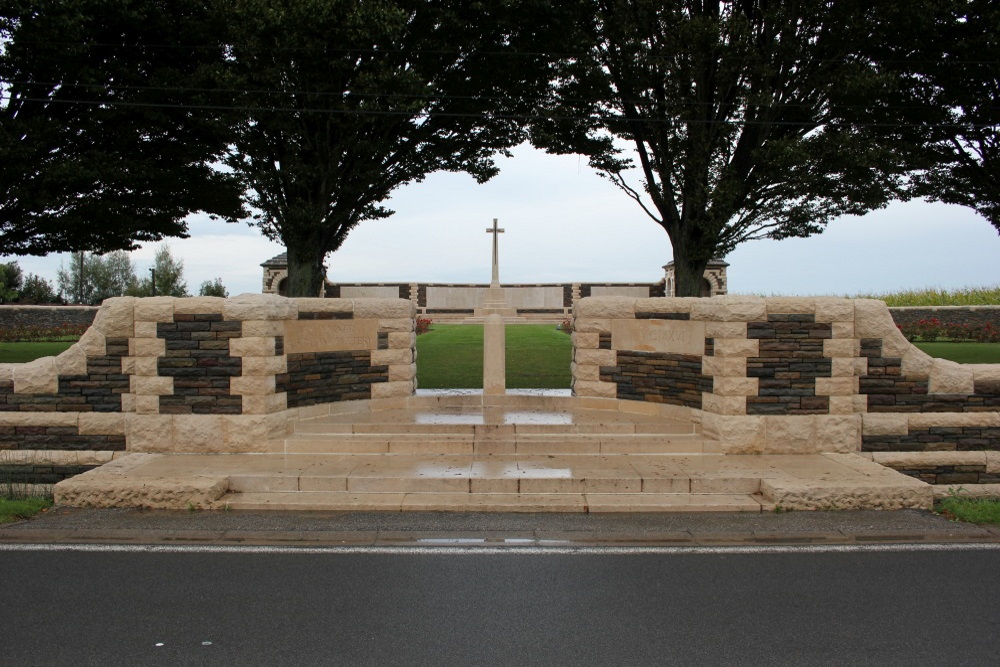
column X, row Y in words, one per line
column 494, row 356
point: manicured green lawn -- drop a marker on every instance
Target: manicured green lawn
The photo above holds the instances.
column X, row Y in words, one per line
column 964, row 353
column 18, row 353
column 450, row 356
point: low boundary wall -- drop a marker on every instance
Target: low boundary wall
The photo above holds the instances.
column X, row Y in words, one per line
column 46, row 316
column 205, row 374
column 784, row 374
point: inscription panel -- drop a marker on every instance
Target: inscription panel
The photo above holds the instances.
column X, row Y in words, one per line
column 671, row 336
column 330, row 335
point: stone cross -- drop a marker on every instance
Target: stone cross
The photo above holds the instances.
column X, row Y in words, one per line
column 494, row 230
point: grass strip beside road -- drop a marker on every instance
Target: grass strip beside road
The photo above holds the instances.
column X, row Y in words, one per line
column 25, row 508
column 19, row 353
column 450, row 356
column 970, row 510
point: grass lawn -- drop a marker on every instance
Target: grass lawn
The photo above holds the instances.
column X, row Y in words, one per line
column 18, row 353
column 15, row 510
column 964, row 353
column 970, row 510
column 450, row 356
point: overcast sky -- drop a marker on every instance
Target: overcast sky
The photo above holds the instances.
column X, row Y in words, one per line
column 565, row 223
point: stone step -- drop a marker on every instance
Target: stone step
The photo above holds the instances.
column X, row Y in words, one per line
column 518, row 444
column 496, row 502
column 475, row 426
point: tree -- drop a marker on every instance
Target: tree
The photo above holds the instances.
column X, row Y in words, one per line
column 107, row 137
column 350, row 100
column 744, row 118
column 10, row 282
column 169, row 276
column 103, row 277
column 36, row 289
column 213, row 288
column 948, row 108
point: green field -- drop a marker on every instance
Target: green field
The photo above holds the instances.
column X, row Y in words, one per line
column 964, row 353
column 450, row 356
column 18, row 353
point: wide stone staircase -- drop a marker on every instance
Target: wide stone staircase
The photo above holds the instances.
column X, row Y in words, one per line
column 532, row 454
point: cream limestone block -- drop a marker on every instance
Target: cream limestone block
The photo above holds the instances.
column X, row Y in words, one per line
column 197, row 433
column 985, row 372
column 39, row 418
column 151, row 385
column 895, row 344
column 317, row 305
column 885, row 423
column 400, row 340
column 860, row 403
column 737, row 386
column 265, row 365
column 930, row 459
column 736, row 347
column 736, row 435
column 248, row 433
column 92, row 489
column 670, row 304
column 784, row 305
column 260, row 307
column 149, row 433
column 842, row 330
column 72, row 362
column 397, row 325
column 872, row 319
column 596, row 357
column 199, row 305
column 917, row 364
column 262, row 328
column 101, row 423
column 253, row 385
column 602, row 326
column 390, row 357
column 596, row 389
column 251, row 347
column 838, row 433
column 266, row 404
column 837, row 386
column 948, row 377
column 631, row 407
column 843, row 347
column 389, row 389
column 842, row 405
column 37, row 377
column 723, row 405
column 154, row 309
column 585, row 341
column 140, row 366
column 147, row 347
column 730, row 309
column 402, row 372
column 898, row 492
column 115, row 317
column 724, row 366
column 128, row 402
column 384, row 309
column 605, row 307
column 844, row 367
column 725, row 329
column 592, row 403
column 145, row 330
column 146, row 404
column 7, row 372
column 835, row 310
column 974, row 419
column 993, row 462
column 93, row 343
column 792, row 434
column 587, row 372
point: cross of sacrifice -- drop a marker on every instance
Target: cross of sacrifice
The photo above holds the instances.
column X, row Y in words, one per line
column 494, row 230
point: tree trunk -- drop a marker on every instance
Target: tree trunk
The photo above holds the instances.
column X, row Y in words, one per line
column 689, row 274
column 306, row 275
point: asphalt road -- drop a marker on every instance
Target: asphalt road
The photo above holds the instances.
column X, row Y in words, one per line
column 528, row 607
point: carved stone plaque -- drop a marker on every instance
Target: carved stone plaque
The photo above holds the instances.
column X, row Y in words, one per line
column 330, row 335
column 670, row 336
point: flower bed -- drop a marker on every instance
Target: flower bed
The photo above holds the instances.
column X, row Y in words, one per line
column 38, row 334
column 931, row 329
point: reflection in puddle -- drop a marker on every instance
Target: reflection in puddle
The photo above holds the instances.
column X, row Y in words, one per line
column 496, row 417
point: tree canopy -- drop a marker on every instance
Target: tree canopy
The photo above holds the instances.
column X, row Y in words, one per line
column 105, row 138
column 350, row 100
column 743, row 116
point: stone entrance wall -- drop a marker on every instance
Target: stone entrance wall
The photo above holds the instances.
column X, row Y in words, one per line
column 785, row 375
column 205, row 374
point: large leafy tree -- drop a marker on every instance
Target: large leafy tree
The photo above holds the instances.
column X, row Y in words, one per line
column 349, row 100
column 94, row 278
column 106, row 138
column 743, row 116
